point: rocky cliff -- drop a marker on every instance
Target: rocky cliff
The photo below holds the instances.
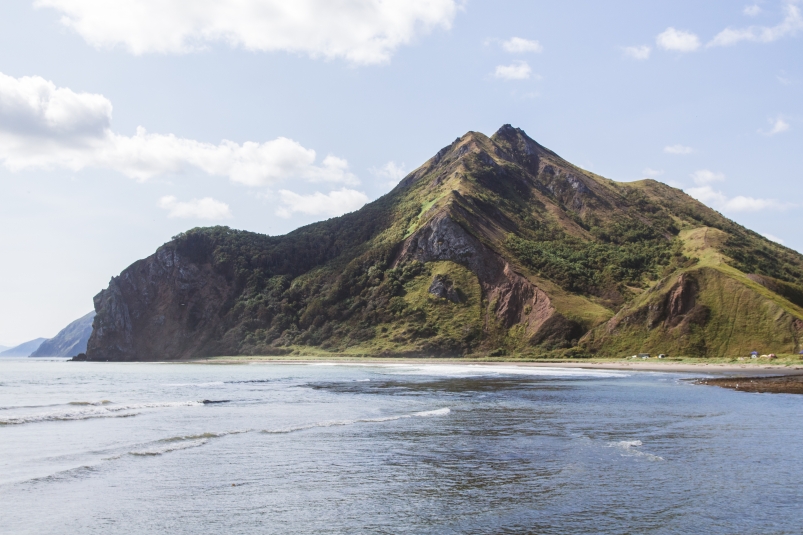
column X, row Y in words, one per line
column 496, row 244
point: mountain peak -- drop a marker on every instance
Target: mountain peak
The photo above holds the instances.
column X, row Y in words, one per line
column 539, row 255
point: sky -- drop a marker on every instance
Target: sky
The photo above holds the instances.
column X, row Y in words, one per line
column 126, row 122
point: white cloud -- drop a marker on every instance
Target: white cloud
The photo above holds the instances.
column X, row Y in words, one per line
column 752, row 11
column 791, row 24
column 652, row 172
column 720, row 201
column 206, row 208
column 678, row 149
column 771, row 237
column 517, row 45
column 44, row 126
column 360, row 31
column 391, row 172
column 335, row 203
column 677, row 40
column 778, row 126
column 638, row 52
column 518, row 70
column 704, row 176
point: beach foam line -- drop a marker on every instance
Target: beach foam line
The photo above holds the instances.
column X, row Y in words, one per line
column 92, row 411
column 481, row 370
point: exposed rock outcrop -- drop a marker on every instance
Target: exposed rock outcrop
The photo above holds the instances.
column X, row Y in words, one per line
column 164, row 307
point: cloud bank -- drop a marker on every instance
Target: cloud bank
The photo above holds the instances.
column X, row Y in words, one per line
column 335, row 203
column 44, row 126
column 359, row 31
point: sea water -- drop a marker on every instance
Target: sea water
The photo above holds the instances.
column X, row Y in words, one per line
column 304, row 448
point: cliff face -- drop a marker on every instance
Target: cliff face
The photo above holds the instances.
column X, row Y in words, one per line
column 493, row 244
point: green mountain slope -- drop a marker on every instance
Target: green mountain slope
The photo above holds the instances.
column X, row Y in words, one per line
column 494, row 245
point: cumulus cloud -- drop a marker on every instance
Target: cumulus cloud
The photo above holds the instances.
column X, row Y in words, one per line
column 704, row 176
column 752, row 11
column 360, row 31
column 206, row 208
column 637, row 52
column 678, row 149
column 333, row 204
column 652, row 172
column 677, row 40
column 778, row 126
column 391, row 172
column 519, row 70
column 44, row 126
column 705, row 193
column 791, row 25
column 720, row 201
column 518, row 45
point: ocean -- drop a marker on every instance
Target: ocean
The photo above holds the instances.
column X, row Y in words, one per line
column 136, row 448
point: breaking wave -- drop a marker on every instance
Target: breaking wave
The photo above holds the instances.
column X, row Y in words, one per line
column 159, row 450
column 334, row 423
column 92, row 411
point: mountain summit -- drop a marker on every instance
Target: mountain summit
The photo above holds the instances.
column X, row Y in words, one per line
column 494, row 245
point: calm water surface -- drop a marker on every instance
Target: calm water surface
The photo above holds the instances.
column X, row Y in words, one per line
column 132, row 448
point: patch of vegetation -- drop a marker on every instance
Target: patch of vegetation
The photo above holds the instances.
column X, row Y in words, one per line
column 624, row 253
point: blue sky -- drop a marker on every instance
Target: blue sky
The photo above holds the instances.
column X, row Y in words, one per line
column 125, row 122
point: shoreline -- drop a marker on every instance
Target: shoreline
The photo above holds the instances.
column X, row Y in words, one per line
column 670, row 367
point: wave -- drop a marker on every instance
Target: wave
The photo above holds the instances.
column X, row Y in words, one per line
column 334, row 423
column 437, row 412
column 101, row 402
column 175, row 446
column 627, row 447
column 249, row 381
column 92, row 411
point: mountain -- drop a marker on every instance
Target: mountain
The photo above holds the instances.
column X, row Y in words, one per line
column 23, row 350
column 70, row 341
column 494, row 246
column 3, row 348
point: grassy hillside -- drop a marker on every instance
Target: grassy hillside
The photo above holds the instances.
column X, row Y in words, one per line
column 495, row 245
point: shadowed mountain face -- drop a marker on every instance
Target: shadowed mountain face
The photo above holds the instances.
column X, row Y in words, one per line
column 494, row 245
column 70, row 341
